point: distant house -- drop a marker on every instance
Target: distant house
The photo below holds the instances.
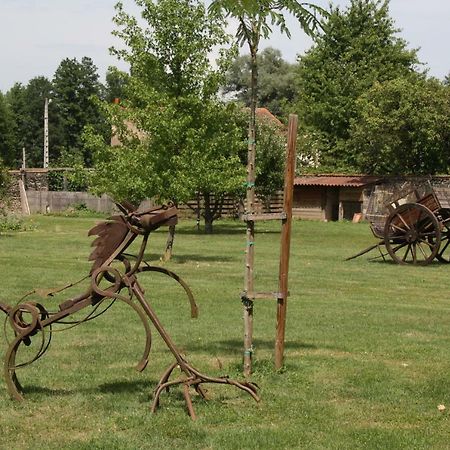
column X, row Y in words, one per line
column 331, row 197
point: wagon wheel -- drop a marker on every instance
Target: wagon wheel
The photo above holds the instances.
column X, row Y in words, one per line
column 443, row 255
column 412, row 234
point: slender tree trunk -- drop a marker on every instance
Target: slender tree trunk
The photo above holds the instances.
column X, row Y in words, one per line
column 198, row 211
column 208, row 214
column 250, row 203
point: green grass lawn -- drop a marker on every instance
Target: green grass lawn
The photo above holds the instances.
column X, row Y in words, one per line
column 367, row 358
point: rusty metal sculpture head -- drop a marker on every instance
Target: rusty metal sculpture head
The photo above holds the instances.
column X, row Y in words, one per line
column 116, row 234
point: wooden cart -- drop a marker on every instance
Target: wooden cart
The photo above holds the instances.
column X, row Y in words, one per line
column 414, row 228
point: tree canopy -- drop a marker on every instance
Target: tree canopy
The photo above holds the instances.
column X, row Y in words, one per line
column 75, row 87
column 27, row 106
column 7, row 135
column 402, row 126
column 357, row 47
column 179, row 137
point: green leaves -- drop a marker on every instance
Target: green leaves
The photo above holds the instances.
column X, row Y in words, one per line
column 176, row 137
column 257, row 17
column 358, row 47
column 403, row 127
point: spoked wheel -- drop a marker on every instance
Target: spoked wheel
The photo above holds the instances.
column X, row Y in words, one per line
column 443, row 255
column 412, row 235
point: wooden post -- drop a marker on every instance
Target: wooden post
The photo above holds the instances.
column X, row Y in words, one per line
column 285, row 240
column 24, row 198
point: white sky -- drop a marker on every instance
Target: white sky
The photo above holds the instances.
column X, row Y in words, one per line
column 35, row 35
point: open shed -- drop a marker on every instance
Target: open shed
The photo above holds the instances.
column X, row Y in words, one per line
column 331, row 197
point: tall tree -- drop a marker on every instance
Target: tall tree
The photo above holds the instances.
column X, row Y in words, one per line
column 27, row 105
column 276, row 80
column 358, row 47
column 116, row 82
column 7, row 135
column 179, row 138
column 76, row 85
column 402, row 126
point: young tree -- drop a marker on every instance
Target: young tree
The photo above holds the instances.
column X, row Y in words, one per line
column 176, row 136
column 255, row 19
column 358, row 47
column 402, row 126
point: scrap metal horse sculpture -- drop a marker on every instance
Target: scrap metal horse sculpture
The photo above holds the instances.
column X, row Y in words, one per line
column 106, row 283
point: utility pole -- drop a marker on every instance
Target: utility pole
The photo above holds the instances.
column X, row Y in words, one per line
column 46, row 133
column 24, row 161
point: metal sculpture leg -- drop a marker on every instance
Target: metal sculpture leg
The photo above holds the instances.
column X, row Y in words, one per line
column 192, row 377
column 14, row 387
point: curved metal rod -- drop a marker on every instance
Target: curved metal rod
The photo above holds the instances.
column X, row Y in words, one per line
column 142, row 364
column 195, row 379
column 12, row 383
column 113, row 293
column 87, row 318
column 194, row 307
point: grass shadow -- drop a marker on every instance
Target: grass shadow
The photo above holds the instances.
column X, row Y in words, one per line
column 127, row 386
column 35, row 389
column 233, row 346
column 135, row 386
column 153, row 258
column 433, row 264
column 223, row 229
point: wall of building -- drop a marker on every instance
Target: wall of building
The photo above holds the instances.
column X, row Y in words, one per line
column 52, row 201
column 309, row 202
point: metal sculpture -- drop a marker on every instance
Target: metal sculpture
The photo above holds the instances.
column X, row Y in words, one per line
column 107, row 285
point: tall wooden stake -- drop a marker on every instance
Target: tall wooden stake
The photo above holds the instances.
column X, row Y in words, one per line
column 285, row 240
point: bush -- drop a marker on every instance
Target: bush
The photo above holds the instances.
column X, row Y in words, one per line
column 10, row 222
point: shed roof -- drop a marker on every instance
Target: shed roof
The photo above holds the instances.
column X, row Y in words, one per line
column 336, row 180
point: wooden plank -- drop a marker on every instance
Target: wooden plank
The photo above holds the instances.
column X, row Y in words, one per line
column 264, row 216
column 261, row 295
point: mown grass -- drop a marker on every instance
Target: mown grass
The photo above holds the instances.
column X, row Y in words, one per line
column 367, row 353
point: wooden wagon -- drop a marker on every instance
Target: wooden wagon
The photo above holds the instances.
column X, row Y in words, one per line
column 414, row 227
